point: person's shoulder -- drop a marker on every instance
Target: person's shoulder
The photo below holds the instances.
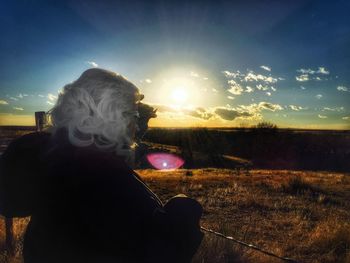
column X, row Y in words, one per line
column 26, row 146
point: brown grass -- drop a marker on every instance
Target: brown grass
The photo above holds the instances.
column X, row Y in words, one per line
column 302, row 215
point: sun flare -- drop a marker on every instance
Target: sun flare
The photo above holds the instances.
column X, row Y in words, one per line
column 179, row 95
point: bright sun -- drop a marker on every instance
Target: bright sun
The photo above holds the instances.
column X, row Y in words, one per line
column 179, row 95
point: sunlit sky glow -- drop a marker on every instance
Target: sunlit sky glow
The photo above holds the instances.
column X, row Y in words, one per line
column 200, row 63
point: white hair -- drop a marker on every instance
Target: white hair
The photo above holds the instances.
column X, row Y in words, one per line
column 97, row 109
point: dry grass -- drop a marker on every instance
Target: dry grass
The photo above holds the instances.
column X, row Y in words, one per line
column 302, row 215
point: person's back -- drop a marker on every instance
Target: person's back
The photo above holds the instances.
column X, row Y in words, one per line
column 86, row 204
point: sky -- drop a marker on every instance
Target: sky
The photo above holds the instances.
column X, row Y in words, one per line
column 200, row 63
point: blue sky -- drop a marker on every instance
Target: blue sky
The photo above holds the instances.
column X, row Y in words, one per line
column 201, row 63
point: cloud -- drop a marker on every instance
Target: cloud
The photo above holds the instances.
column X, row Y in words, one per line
column 205, row 78
column 50, row 103
column 148, row 81
column 346, row 118
column 322, row 70
column 302, row 77
column 230, row 97
column 319, row 96
column 249, row 89
column 41, row 96
column 199, row 112
column 265, row 67
column 51, row 97
column 13, row 98
column 262, row 87
column 296, row 108
column 214, row 90
column 269, row 106
column 18, row 108
column 235, row 88
column 273, row 89
column 342, row 88
column 194, row 74
column 251, row 76
column 251, row 111
column 93, row 64
column 338, row 109
column 303, row 88
column 305, row 73
column 268, row 93
column 234, row 75
column 322, row 116
column 231, row 114
column 3, row 102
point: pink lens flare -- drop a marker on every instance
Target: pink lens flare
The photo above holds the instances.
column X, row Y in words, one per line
column 165, row 161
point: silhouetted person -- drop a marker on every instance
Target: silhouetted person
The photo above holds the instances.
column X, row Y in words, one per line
column 86, row 204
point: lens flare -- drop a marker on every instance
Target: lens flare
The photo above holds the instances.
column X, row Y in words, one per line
column 165, row 161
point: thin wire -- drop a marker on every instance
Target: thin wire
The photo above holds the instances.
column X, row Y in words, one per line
column 247, row 245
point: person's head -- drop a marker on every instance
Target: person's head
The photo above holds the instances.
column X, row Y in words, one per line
column 100, row 108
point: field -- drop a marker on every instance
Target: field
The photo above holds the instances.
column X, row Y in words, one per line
column 301, row 214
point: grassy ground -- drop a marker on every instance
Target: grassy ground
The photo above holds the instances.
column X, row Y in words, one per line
column 302, row 215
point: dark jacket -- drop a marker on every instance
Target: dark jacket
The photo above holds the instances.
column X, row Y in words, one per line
column 89, row 206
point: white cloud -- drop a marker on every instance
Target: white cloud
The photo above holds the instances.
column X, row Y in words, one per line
column 319, row 96
column 262, row 87
column 148, row 81
column 338, row 109
column 251, row 76
column 3, row 102
column 322, row 70
column 322, row 116
column 20, row 96
column 50, row 103
column 302, row 77
column 194, row 74
column 296, row 108
column 342, row 88
column 214, row 90
column 92, row 63
column 13, row 98
column 41, row 96
column 268, row 93
column 265, row 67
column 235, row 88
column 306, row 71
column 273, row 89
column 303, row 88
column 234, row 75
column 346, row 118
column 249, row 89
column 305, row 74
column 230, row 97
column 205, row 78
column 51, row 97
column 18, row 108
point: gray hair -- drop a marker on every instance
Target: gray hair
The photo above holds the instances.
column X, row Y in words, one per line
column 97, row 109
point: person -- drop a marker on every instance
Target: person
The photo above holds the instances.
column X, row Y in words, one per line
column 85, row 201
